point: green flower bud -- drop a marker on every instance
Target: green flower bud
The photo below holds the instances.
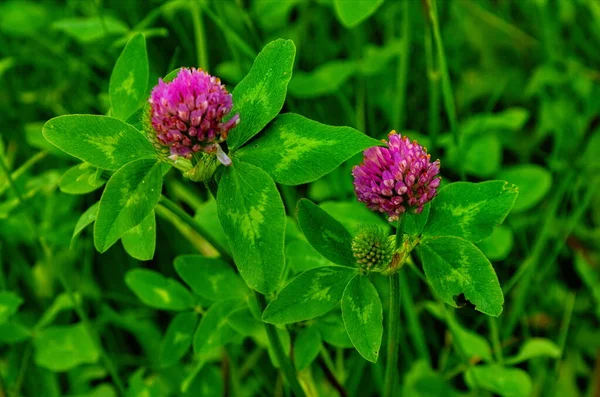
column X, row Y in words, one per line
column 372, row 249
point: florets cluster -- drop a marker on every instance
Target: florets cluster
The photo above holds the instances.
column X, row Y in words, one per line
column 187, row 113
column 396, row 178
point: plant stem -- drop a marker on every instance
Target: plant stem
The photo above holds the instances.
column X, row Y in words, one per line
column 447, row 92
column 201, row 53
column 284, row 361
column 391, row 368
column 414, row 326
column 402, row 71
column 240, row 43
column 184, row 216
column 493, row 322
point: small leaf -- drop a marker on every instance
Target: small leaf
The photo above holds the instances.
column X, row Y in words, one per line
column 253, row 218
column 259, row 97
column 102, row 141
column 455, row 266
column 301, row 256
column 332, row 330
column 324, row 80
column 533, row 181
column 11, row 333
column 352, row 12
column 178, row 339
column 483, row 156
column 129, row 197
column 214, row 330
column 363, row 317
column 507, row 382
column 325, row 234
column 140, row 241
column 157, row 291
column 473, row 345
column 415, row 223
column 210, row 278
column 63, row 348
column 129, row 78
column 533, row 348
column 89, row 30
column 9, row 304
column 354, row 215
column 86, row 219
column 311, row 294
column 470, row 210
column 80, row 179
column 306, row 347
column 296, row 150
column 498, row 245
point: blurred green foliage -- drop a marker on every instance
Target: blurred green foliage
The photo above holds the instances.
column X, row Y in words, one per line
column 525, row 84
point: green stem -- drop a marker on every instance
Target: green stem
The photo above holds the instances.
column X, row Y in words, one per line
column 446, row 83
column 201, row 53
column 243, row 45
column 528, row 269
column 493, row 322
column 284, row 362
column 198, row 228
column 414, row 326
column 433, row 76
column 402, row 71
column 391, row 368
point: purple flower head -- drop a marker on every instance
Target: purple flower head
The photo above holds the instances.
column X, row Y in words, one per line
column 187, row 113
column 396, row 178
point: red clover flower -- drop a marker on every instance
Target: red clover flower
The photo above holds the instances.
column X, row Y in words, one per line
column 396, row 178
column 187, row 114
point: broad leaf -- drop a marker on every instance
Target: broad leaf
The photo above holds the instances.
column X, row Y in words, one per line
column 253, row 218
column 352, row 12
column 325, row 234
column 129, row 197
column 178, row 339
column 210, row 278
column 306, row 347
column 533, row 348
column 363, row 317
column 455, row 266
column 81, row 179
column 533, row 181
column 214, row 329
column 157, row 291
column 9, row 304
column 470, row 210
column 506, row 382
column 140, row 241
column 311, row 294
column 62, row 348
column 296, row 150
column 259, row 97
column 129, row 78
column 105, row 142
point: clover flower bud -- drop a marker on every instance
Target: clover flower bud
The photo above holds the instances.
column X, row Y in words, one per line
column 372, row 249
column 396, row 178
